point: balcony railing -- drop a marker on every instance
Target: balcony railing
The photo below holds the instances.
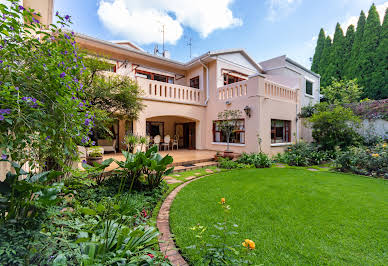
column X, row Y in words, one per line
column 162, row 91
column 257, row 86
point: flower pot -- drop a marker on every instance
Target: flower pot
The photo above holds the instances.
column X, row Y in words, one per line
column 92, row 160
column 228, row 154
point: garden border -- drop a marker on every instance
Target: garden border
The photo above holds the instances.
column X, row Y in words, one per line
column 166, row 242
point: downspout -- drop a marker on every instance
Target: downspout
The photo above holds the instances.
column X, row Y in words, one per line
column 207, row 80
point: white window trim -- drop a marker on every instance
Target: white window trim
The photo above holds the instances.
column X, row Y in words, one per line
column 281, row 144
column 312, row 82
column 231, row 144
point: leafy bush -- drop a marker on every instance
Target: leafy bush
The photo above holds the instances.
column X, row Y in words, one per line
column 304, row 154
column 259, row 160
column 226, row 163
column 371, row 161
column 335, row 127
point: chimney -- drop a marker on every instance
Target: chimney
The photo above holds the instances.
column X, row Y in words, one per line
column 44, row 7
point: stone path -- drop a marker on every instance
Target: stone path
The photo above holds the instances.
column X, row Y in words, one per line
column 166, row 243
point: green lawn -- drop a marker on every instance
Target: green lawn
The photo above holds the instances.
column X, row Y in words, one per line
column 294, row 216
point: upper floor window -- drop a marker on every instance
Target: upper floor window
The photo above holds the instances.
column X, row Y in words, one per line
column 229, row 79
column 154, row 76
column 194, row 82
column 280, row 131
column 309, row 87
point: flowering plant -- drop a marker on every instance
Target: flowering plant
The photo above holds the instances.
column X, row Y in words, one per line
column 42, row 116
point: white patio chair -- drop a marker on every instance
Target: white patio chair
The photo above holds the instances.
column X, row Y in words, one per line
column 166, row 142
column 175, row 142
column 157, row 141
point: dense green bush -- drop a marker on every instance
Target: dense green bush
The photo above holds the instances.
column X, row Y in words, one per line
column 259, row 160
column 369, row 161
column 304, row 154
column 226, row 163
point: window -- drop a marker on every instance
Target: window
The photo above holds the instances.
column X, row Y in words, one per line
column 238, row 136
column 309, row 87
column 194, row 82
column 154, row 128
column 154, row 76
column 229, row 79
column 280, row 131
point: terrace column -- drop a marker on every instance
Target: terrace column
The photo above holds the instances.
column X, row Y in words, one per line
column 139, row 127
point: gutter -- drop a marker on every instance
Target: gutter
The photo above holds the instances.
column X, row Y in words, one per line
column 207, row 80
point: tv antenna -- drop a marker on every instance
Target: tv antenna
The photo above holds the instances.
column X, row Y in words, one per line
column 156, row 49
column 189, row 43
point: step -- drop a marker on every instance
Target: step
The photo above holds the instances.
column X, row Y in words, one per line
column 199, row 165
column 192, row 162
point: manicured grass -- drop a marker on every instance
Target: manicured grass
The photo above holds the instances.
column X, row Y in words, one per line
column 294, row 216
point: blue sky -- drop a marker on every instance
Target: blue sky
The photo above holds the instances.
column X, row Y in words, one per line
column 264, row 28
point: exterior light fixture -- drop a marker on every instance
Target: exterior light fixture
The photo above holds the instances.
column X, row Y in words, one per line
column 247, row 111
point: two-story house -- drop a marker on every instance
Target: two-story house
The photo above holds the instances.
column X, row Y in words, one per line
column 184, row 98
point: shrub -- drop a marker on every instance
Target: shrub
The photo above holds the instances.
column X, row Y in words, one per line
column 305, row 154
column 259, row 160
column 226, row 163
column 371, row 161
column 335, row 127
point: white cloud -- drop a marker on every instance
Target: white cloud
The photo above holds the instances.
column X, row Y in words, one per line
column 141, row 20
column 281, row 8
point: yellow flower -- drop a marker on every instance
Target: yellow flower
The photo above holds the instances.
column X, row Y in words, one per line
column 249, row 244
column 375, row 155
column 384, row 145
column 222, row 200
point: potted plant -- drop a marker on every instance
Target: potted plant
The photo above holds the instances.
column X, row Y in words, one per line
column 94, row 155
column 227, row 123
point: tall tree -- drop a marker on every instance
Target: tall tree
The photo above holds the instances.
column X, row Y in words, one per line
column 379, row 83
column 349, row 40
column 325, row 62
column 318, row 51
column 351, row 68
column 367, row 56
column 336, row 59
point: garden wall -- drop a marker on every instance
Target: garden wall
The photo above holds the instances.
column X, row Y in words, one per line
column 378, row 127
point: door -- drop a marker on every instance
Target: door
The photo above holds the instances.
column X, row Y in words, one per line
column 191, row 135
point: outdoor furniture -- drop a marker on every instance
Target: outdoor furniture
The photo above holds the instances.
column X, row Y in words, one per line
column 175, row 142
column 107, row 145
column 166, row 142
column 157, row 141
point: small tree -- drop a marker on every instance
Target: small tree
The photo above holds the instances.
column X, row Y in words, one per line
column 342, row 91
column 227, row 123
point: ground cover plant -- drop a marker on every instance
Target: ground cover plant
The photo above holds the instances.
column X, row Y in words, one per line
column 294, row 216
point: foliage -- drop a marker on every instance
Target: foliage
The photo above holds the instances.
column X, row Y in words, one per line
column 95, row 151
column 131, row 141
column 335, row 127
column 370, row 109
column 304, row 154
column 370, row 161
column 24, row 196
column 226, row 163
column 227, row 123
column 155, row 167
column 42, row 112
column 342, row 92
column 222, row 253
column 360, row 55
column 259, row 160
column 96, row 172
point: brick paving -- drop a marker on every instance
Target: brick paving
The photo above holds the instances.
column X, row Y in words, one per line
column 166, row 243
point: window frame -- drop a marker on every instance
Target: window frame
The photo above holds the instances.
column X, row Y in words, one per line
column 227, row 75
column 197, row 82
column 169, row 79
column 237, row 132
column 312, row 87
column 286, row 131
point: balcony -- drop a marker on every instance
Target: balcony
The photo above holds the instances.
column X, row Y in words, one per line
column 257, row 86
column 167, row 92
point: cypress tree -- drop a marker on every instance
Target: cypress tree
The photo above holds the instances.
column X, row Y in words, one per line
column 351, row 69
column 349, row 39
column 323, row 64
column 367, row 56
column 336, row 59
column 318, row 51
column 379, row 83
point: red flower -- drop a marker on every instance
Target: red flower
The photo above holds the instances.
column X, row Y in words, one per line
column 150, row 255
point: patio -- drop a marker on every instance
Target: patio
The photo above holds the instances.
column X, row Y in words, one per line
column 181, row 157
